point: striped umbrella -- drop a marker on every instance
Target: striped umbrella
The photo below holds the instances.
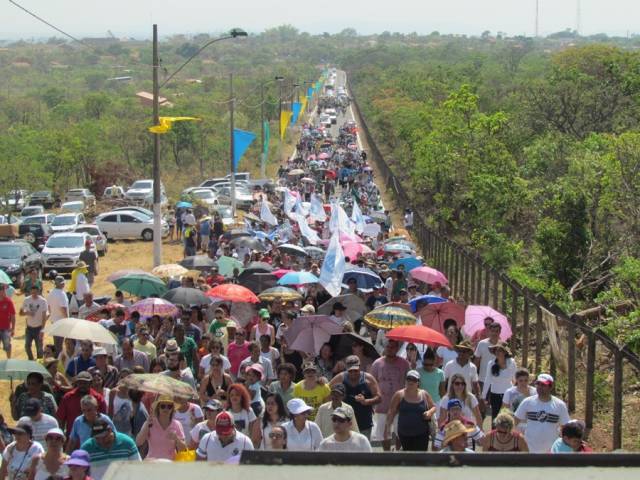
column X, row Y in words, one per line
column 280, row 293
column 389, row 317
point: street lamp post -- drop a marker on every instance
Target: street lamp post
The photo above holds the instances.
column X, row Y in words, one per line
column 157, row 209
column 263, row 154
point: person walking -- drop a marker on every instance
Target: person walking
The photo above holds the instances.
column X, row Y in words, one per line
column 499, row 377
column 7, row 320
column 58, row 307
column 344, row 439
column 302, row 434
column 90, row 258
column 224, row 443
column 35, row 308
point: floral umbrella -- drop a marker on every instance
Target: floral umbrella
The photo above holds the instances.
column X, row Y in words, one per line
column 154, row 306
column 159, row 384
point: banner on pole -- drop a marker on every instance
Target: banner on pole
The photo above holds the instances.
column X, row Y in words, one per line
column 295, row 109
column 267, row 137
column 284, row 122
column 241, row 141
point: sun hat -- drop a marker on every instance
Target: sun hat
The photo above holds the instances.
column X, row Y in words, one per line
column 296, row 406
column 99, row 351
column 341, row 412
column 465, row 345
column 500, row 346
column 171, row 346
column 412, row 374
column 308, row 309
column 78, row 458
column 22, row 427
column 545, row 379
column 453, row 430
column 352, row 362
column 83, row 377
column 256, row 367
column 224, row 423
column 55, row 431
column 162, row 399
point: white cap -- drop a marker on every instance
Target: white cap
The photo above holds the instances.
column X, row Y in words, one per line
column 296, row 406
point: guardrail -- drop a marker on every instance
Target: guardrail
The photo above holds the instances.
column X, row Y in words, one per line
column 576, row 350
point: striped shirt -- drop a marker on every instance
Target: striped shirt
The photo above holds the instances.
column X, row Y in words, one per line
column 123, row 448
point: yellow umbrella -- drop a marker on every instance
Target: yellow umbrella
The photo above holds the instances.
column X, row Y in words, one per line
column 169, row 270
column 387, row 317
column 280, row 293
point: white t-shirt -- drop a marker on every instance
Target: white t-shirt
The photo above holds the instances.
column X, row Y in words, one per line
column 199, row 431
column 36, row 310
column 189, row 419
column 82, row 286
column 482, row 351
column 446, row 354
column 243, row 419
column 57, row 300
column 307, row 440
column 41, row 427
column 205, row 363
column 18, row 462
column 544, row 420
column 467, row 407
column 356, row 443
column 502, row 382
column 272, row 355
column 513, row 397
column 469, row 372
column 211, row 448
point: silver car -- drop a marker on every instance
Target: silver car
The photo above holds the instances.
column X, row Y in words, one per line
column 99, row 239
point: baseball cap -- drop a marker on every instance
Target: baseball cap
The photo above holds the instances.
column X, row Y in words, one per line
column 341, row 412
column 213, row 405
column 99, row 351
column 59, row 280
column 99, row 428
column 453, row 403
column 413, row 374
column 296, row 406
column 32, row 406
column 352, row 362
column 22, row 427
column 83, row 377
column 309, row 366
column 264, row 313
column 545, row 379
column 224, row 423
column 339, row 388
column 54, row 431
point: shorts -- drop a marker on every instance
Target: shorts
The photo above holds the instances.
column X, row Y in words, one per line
column 377, row 432
column 5, row 337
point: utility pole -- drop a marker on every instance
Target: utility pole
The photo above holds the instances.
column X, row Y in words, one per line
column 279, row 122
column 157, row 219
column 578, row 18
column 263, row 155
column 232, row 107
column 537, row 18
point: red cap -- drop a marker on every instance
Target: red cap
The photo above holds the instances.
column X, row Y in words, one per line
column 224, row 423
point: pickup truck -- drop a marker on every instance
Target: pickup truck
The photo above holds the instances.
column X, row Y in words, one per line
column 241, row 177
column 81, row 195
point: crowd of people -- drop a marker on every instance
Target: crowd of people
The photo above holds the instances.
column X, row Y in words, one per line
column 253, row 384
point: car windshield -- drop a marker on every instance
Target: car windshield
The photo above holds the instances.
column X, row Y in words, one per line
column 63, row 221
column 34, row 220
column 202, row 194
column 76, row 192
column 224, row 212
column 40, row 194
column 65, row 242
column 141, row 184
column 9, row 251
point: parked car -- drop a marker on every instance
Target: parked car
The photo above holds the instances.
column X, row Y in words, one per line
column 75, row 206
column 5, row 219
column 205, row 195
column 225, row 214
column 18, row 257
column 141, row 192
column 99, row 240
column 128, row 225
column 46, row 218
column 144, row 211
column 16, row 200
column 31, row 210
column 43, row 197
column 212, row 181
column 325, row 121
column 113, row 192
column 67, row 222
column 81, row 194
column 62, row 250
column 244, row 198
column 36, row 234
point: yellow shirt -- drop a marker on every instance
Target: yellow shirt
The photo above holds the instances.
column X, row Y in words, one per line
column 314, row 397
column 149, row 348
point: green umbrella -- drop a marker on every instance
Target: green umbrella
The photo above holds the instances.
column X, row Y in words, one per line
column 227, row 264
column 141, row 285
column 14, row 369
column 4, row 278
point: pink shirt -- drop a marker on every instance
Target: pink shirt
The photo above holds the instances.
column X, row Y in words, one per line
column 390, row 373
column 236, row 353
column 160, row 445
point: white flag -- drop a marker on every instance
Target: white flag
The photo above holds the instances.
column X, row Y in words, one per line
column 317, row 210
column 333, row 267
column 289, row 201
column 357, row 217
column 306, row 231
column 267, row 216
column 339, row 221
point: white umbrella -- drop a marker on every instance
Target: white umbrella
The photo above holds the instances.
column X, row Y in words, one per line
column 79, row 329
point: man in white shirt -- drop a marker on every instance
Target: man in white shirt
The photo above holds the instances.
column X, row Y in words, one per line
column 224, row 443
column 35, row 308
column 88, row 306
column 58, row 307
column 343, row 438
column 463, row 365
column 40, row 422
column 544, row 414
column 483, row 355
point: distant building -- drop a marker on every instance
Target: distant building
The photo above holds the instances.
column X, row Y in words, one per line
column 146, row 99
column 120, row 79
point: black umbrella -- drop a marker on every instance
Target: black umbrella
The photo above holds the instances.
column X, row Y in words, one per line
column 258, row 267
column 258, row 282
column 341, row 344
column 198, row 262
column 293, row 250
column 248, row 242
column 186, row 296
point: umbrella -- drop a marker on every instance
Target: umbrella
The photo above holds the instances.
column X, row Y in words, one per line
column 315, row 252
column 122, row 273
column 435, row 314
column 186, row 296
column 354, row 304
column 365, row 278
column 235, row 233
column 378, row 216
column 293, row 250
column 198, row 262
column 154, row 306
column 248, row 242
column 79, row 329
column 418, row 334
column 231, row 292
column 169, row 270
column 252, row 217
column 94, row 316
column 345, row 237
column 409, row 263
column 258, row 282
column 428, row 275
column 389, row 317
column 281, row 272
column 428, row 299
column 298, row 278
column 280, row 293
column 308, row 334
column 398, row 248
column 226, row 265
column 371, row 230
column 257, row 267
column 159, row 384
column 474, row 317
column 183, row 204
column 341, row 345
column 4, row 278
column 353, row 249
column 296, row 171
column 141, row 285
column 307, row 180
column 14, row 369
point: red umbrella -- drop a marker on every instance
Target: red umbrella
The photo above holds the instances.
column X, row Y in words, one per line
column 435, row 314
column 231, row 292
column 418, row 334
column 96, row 315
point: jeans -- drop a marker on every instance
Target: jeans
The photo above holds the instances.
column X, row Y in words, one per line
column 31, row 334
column 495, row 400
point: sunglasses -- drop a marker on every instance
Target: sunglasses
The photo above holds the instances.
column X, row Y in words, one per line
column 339, row 420
column 412, row 380
column 459, row 383
column 54, row 438
column 166, row 406
column 276, row 435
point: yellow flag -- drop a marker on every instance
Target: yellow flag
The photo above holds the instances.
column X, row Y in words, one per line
column 285, row 118
column 303, row 107
column 167, row 122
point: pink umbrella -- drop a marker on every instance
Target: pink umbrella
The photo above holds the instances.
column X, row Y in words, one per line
column 435, row 314
column 324, row 156
column 353, row 249
column 428, row 275
column 345, row 237
column 308, row 334
column 281, row 272
column 474, row 320
column 154, row 306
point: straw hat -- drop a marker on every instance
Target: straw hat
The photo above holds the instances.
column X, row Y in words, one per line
column 453, row 430
column 162, row 399
column 464, row 345
column 501, row 346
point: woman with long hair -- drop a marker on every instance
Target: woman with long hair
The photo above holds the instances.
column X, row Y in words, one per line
column 240, row 407
column 52, row 463
column 161, row 431
column 458, row 388
column 274, row 416
column 325, row 362
column 216, row 382
column 446, row 354
column 500, row 374
column 18, row 455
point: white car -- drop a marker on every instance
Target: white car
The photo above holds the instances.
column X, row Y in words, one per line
column 45, row 218
column 75, row 206
column 325, row 121
column 225, row 214
column 141, row 192
column 205, row 195
column 128, row 225
column 62, row 250
column 67, row 222
column 244, row 198
column 333, row 115
column 32, row 210
column 113, row 192
column 99, row 240
column 81, row 195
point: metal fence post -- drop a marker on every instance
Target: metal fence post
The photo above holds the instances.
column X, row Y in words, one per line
column 525, row 328
column 617, row 400
column 571, row 365
column 590, row 381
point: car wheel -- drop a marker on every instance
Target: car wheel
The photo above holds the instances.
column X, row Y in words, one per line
column 147, row 235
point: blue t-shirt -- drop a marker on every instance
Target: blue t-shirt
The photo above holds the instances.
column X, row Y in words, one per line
column 205, row 228
column 78, row 364
column 430, row 381
column 81, row 430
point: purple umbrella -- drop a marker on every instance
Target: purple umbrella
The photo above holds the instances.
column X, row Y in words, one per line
column 308, row 334
column 154, row 306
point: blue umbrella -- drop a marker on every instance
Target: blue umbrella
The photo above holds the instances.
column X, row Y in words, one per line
column 297, row 278
column 399, row 247
column 409, row 263
column 365, row 278
column 427, row 298
column 184, row 205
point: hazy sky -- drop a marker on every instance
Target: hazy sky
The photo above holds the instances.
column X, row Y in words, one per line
column 134, row 17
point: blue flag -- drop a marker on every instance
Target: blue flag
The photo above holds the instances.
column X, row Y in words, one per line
column 310, row 92
column 241, row 141
column 295, row 108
